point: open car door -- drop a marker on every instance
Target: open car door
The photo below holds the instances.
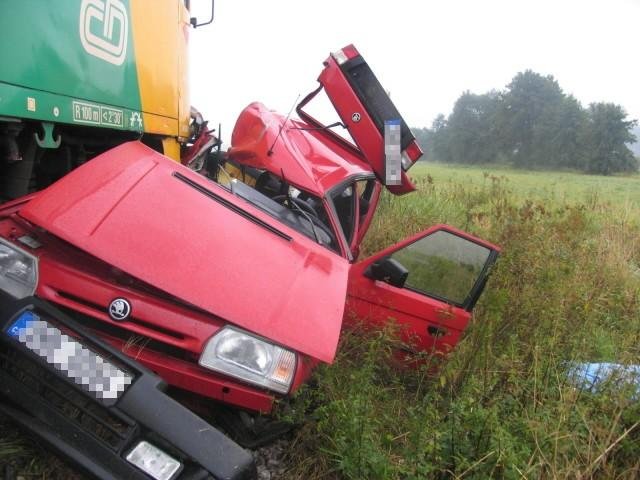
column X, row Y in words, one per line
column 428, row 284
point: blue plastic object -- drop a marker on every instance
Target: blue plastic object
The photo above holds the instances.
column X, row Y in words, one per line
column 590, row 376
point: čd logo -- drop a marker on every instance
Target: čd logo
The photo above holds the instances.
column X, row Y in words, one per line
column 104, row 29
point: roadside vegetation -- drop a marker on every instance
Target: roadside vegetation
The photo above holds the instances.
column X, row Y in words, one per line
column 565, row 290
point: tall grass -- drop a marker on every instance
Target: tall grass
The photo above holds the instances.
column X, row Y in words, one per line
column 565, row 290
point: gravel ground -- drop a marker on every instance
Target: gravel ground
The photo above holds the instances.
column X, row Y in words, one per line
column 269, row 460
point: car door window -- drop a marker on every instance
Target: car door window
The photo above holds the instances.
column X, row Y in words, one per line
column 364, row 189
column 443, row 265
column 344, row 204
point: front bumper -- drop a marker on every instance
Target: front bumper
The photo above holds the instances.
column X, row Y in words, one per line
column 95, row 430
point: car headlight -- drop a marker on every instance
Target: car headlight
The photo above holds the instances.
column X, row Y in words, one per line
column 244, row 356
column 18, row 270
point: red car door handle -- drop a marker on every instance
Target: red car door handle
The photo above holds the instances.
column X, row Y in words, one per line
column 436, row 331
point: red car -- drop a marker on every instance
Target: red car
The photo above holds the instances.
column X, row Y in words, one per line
column 235, row 288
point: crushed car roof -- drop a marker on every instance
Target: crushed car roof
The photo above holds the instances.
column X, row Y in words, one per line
column 267, row 140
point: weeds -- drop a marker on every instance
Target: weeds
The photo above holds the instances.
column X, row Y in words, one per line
column 564, row 290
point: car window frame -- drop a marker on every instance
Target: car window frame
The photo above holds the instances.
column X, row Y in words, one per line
column 349, row 247
column 474, row 292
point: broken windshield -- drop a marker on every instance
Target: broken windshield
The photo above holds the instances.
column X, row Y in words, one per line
column 299, row 210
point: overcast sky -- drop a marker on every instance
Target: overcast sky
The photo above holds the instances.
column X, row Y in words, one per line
column 426, row 53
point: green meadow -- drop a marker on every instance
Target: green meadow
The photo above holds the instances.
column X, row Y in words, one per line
column 542, row 185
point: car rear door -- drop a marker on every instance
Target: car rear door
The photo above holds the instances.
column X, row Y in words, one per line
column 428, row 284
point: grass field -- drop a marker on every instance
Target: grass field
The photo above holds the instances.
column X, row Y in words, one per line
column 544, row 186
column 565, row 289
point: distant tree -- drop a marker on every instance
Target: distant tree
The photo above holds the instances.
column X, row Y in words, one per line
column 533, row 123
column 557, row 135
column 469, row 134
column 439, row 141
column 528, row 103
column 606, row 136
column 433, row 140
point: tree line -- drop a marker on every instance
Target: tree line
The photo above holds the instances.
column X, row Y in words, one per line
column 532, row 123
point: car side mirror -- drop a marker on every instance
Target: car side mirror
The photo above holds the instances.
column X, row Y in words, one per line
column 388, row 270
column 194, row 20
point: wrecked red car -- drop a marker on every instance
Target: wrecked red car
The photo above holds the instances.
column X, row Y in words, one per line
column 233, row 282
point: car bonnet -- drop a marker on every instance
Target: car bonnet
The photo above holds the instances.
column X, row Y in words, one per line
column 176, row 230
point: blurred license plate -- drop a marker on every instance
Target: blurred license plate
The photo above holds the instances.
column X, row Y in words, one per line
column 85, row 367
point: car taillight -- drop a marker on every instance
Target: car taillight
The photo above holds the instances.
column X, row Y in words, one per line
column 410, row 155
column 345, row 54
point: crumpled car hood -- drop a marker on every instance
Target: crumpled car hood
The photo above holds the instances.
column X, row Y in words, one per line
column 170, row 227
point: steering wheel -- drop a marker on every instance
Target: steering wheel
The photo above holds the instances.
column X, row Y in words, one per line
column 302, row 204
column 313, row 215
